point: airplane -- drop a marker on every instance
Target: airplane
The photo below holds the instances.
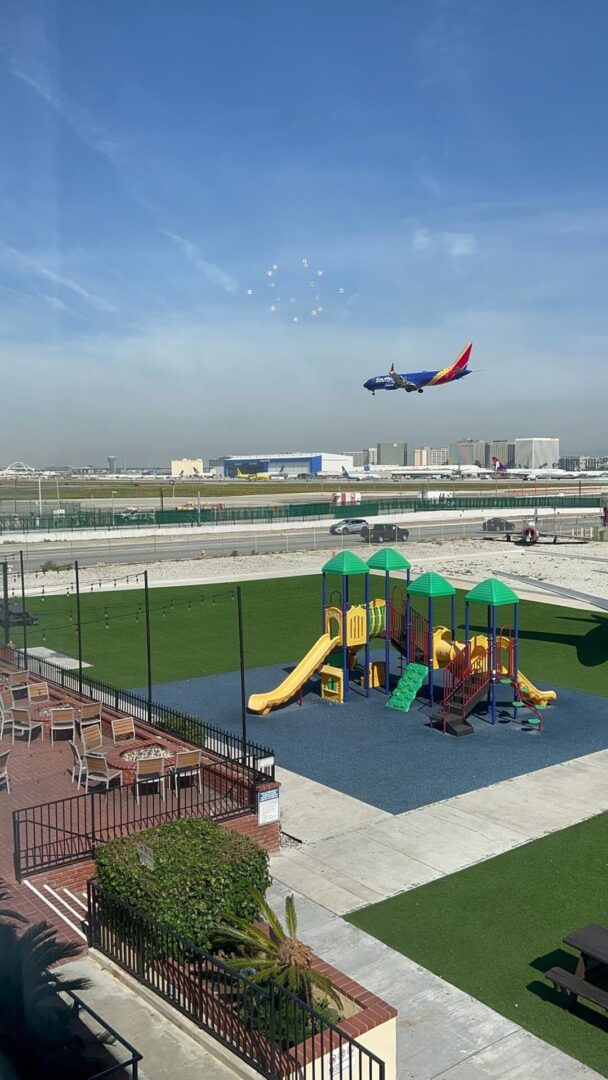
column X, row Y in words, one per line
column 418, row 380
column 261, row 475
column 546, row 472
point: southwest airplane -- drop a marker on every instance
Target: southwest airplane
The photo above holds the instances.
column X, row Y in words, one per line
column 417, row 380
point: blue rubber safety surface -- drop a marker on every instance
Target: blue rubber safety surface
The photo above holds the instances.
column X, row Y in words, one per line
column 388, row 758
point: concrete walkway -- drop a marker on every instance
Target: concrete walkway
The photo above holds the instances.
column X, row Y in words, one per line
column 170, row 1044
column 354, row 854
column 441, row 1031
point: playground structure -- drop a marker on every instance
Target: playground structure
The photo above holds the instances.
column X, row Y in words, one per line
column 471, row 670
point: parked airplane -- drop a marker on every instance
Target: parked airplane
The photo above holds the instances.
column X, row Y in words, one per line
column 546, row 472
column 262, row 475
column 418, row 380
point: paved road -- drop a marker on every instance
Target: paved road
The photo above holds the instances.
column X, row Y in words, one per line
column 190, row 544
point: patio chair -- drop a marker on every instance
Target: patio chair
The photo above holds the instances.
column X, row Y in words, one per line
column 187, row 767
column 77, row 762
column 123, row 728
column 92, row 740
column 62, row 719
column 4, row 770
column 18, row 683
column 24, row 725
column 150, row 771
column 96, row 771
column 6, row 711
column 88, row 714
column 38, row 693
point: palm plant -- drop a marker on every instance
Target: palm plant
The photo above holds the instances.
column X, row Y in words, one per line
column 278, row 956
column 34, row 1020
column 9, row 913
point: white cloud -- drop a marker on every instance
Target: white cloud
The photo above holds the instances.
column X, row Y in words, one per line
column 26, row 265
column 458, row 245
column 213, row 273
column 421, row 239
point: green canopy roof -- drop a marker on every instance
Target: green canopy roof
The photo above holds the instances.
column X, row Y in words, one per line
column 492, row 592
column 346, row 562
column 388, row 559
column 431, row 584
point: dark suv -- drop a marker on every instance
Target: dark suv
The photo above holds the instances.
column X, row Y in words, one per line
column 16, row 616
column 384, row 533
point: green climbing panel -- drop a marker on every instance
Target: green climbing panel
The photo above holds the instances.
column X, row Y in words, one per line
column 408, row 686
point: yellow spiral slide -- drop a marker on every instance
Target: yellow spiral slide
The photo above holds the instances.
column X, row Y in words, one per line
column 444, row 650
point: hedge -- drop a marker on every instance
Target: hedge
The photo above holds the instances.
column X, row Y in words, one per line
column 200, row 871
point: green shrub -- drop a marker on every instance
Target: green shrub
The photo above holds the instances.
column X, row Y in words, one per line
column 201, row 871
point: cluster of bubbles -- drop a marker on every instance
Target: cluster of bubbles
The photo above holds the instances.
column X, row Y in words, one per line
column 297, row 303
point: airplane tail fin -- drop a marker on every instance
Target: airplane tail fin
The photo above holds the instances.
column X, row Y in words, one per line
column 462, row 361
column 498, row 465
column 345, row 473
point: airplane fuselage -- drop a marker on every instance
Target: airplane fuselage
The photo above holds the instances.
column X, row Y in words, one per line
column 416, row 381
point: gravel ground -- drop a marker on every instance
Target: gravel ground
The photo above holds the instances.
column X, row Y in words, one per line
column 582, row 567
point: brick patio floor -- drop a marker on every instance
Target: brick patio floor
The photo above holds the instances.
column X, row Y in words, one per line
column 41, row 773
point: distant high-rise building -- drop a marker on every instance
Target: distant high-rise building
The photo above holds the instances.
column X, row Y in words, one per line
column 537, row 452
column 431, row 456
column 111, row 463
column 469, row 452
column 571, row 464
column 372, row 456
column 504, row 451
column 359, row 457
column 390, row 453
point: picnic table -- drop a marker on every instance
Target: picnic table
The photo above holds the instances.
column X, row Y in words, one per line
column 592, row 945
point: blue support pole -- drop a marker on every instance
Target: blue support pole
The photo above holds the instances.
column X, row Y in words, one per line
column 431, row 664
column 515, row 648
column 489, row 657
column 494, row 664
column 367, row 629
column 345, row 667
column 387, row 632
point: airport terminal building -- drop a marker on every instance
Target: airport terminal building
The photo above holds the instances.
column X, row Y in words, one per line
column 309, row 464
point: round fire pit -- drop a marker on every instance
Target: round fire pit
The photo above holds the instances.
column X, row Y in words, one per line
column 125, row 757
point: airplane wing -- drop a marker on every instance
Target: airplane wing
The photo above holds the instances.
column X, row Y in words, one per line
column 403, row 384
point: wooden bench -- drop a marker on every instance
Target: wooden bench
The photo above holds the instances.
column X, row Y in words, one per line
column 577, row 987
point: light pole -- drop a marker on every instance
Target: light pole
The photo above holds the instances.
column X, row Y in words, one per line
column 113, row 494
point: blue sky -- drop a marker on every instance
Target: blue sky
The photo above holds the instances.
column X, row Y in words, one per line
column 441, row 162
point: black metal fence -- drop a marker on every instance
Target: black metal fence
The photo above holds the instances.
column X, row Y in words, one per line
column 275, row 1032
column 190, row 728
column 248, row 515
column 119, row 1068
column 53, row 834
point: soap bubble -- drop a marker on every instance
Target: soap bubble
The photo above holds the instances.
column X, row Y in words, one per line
column 295, row 318
column 320, row 273
column 274, row 266
column 305, row 263
column 273, row 307
column 270, row 273
column 341, row 290
column 249, row 292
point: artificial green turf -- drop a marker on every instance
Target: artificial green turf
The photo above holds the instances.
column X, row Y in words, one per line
column 282, row 618
column 493, row 929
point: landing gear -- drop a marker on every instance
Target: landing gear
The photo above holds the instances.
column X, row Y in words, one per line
column 420, row 391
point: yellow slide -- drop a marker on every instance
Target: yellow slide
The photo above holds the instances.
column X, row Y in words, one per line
column 263, row 703
column 444, row 650
column 530, row 693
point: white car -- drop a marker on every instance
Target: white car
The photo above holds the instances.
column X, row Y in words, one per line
column 348, row 525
